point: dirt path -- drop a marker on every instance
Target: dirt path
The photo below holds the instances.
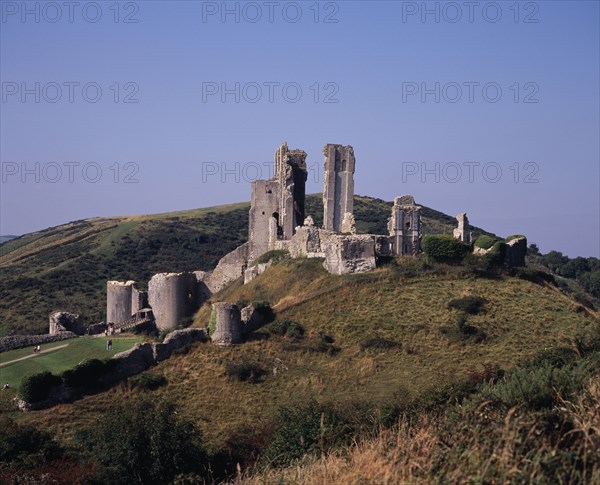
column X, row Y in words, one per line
column 34, row 355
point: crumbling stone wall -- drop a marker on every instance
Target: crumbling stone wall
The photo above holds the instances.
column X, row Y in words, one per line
column 338, row 186
column 405, row 226
column 65, row 322
column 231, row 267
column 516, row 249
column 462, row 232
column 349, row 254
column 174, row 297
column 139, row 300
column 226, row 324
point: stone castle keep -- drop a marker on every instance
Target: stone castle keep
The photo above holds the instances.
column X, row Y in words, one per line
column 277, row 221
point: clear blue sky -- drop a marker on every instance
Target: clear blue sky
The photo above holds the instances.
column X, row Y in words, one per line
column 375, row 56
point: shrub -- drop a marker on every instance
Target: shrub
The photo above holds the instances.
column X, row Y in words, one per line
column 25, row 445
column 286, row 328
column 378, row 343
column 245, row 371
column 468, row 304
column 36, row 387
column 484, row 242
column 304, row 430
column 515, row 236
column 443, row 248
column 535, row 388
column 495, row 256
column 89, row 373
column 148, row 382
column 144, row 441
column 321, row 343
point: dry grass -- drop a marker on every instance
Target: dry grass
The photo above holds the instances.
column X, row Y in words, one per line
column 429, row 452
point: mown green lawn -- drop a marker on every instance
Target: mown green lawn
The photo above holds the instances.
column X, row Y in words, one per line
column 77, row 350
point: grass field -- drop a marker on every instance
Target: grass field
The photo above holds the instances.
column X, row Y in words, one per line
column 77, row 350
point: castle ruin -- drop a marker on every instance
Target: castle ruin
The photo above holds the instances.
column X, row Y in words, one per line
column 277, row 221
column 405, row 227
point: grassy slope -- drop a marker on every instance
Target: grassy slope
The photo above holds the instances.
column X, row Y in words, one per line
column 521, row 319
column 78, row 349
column 66, row 267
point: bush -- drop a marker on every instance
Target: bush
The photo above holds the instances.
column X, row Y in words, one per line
column 321, row 343
column 144, row 441
column 89, row 373
column 495, row 256
column 148, row 382
column 379, row 343
column 304, row 430
column 286, row 328
column 515, row 236
column 36, row 387
column 468, row 304
column 245, row 371
column 485, row 242
column 24, row 445
column 443, row 248
column 535, row 388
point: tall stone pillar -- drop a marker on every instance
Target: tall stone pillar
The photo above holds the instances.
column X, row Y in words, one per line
column 338, row 185
column 226, row 324
column 405, row 226
column 462, row 232
column 119, row 296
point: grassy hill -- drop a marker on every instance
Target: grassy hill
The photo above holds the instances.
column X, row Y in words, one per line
column 405, row 303
column 66, row 267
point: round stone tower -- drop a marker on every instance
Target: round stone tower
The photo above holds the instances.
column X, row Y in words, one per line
column 225, row 324
column 118, row 301
column 173, row 297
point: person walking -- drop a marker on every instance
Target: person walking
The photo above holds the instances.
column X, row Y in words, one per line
column 109, row 345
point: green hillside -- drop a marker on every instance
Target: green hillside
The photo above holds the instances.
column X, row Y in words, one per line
column 66, row 267
column 405, row 303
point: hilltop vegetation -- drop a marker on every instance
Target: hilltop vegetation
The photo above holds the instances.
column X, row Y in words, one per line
column 66, row 267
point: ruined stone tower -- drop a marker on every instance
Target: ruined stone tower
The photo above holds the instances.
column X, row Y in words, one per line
column 338, row 186
column 277, row 205
column 174, row 297
column 119, row 298
column 462, row 232
column 405, row 226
